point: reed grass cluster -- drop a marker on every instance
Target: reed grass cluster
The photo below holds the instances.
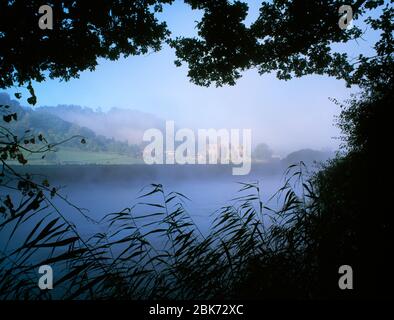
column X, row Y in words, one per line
column 154, row 249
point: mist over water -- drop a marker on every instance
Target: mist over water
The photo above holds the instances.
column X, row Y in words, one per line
column 106, row 189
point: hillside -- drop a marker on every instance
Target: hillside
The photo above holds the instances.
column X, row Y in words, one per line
column 97, row 149
column 119, row 124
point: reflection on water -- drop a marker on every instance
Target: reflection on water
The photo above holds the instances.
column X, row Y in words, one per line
column 105, row 189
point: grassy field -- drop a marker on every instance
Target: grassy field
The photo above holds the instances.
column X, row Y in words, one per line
column 72, row 156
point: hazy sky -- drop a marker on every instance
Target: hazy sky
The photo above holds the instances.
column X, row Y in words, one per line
column 286, row 115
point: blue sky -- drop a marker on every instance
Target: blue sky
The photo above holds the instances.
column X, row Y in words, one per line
column 287, row 115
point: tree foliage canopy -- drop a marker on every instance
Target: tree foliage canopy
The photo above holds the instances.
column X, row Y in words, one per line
column 291, row 37
column 83, row 32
